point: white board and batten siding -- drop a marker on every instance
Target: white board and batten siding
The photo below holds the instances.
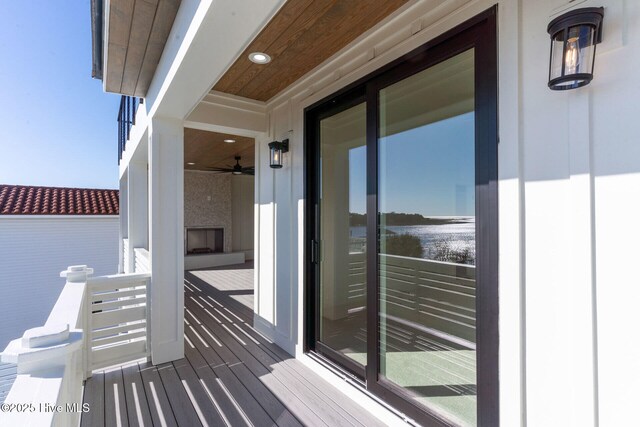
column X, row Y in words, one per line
column 33, row 252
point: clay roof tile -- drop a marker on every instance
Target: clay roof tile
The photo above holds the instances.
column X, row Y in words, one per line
column 32, row 200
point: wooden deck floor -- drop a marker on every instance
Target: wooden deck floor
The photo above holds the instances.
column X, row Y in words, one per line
column 231, row 375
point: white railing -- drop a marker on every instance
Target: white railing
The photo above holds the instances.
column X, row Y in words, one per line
column 356, row 285
column 118, row 319
column 417, row 292
column 141, row 260
column 95, row 323
column 126, row 258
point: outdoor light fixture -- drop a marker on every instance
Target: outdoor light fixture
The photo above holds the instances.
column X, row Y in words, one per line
column 276, row 149
column 229, row 141
column 574, row 36
column 259, row 58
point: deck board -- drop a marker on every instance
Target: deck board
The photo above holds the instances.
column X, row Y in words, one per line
column 115, row 404
column 216, row 375
column 199, row 397
column 299, row 386
column 354, row 412
column 137, row 406
column 161, row 412
column 180, row 401
column 231, row 374
column 94, row 396
column 294, row 402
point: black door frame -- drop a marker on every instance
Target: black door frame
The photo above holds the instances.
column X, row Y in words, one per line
column 479, row 33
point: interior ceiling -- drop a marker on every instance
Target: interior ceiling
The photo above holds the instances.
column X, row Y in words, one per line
column 302, row 35
column 208, row 149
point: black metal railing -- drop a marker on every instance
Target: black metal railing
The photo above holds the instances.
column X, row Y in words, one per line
column 126, row 119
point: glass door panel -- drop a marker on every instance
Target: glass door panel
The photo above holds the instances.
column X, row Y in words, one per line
column 427, row 241
column 342, row 205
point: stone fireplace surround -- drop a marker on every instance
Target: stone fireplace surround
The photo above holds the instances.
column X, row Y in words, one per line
column 207, row 204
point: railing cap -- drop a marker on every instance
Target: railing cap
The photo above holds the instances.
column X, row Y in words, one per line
column 40, row 357
column 77, row 273
column 44, row 336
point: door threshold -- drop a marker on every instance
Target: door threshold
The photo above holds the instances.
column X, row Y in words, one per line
column 355, row 389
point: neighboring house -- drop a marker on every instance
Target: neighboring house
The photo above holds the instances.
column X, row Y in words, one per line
column 42, row 231
column 437, row 233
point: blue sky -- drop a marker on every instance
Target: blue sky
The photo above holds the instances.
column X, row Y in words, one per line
column 427, row 170
column 57, row 127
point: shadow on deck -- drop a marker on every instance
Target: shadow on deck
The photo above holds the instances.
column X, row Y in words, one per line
column 231, row 374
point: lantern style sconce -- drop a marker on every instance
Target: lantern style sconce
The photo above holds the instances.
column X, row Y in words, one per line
column 276, row 149
column 574, row 36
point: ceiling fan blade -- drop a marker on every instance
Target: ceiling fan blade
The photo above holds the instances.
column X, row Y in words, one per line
column 214, row 169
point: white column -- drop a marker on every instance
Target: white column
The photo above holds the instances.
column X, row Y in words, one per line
column 166, row 236
column 138, row 208
column 123, row 214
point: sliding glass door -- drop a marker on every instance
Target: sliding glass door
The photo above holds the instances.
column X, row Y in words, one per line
column 342, row 237
column 426, row 237
column 402, row 230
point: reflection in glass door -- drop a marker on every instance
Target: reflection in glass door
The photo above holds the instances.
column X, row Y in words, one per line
column 401, row 230
column 427, row 244
column 342, row 205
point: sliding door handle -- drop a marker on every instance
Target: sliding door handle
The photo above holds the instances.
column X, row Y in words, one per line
column 315, row 252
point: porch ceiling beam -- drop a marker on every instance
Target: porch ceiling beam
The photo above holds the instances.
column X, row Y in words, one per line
column 225, row 113
column 205, row 40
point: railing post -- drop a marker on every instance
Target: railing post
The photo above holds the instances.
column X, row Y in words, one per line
column 80, row 274
column 50, row 358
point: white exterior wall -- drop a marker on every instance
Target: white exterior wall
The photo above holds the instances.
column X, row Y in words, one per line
column 33, row 252
column 569, row 167
column 581, row 168
column 569, row 170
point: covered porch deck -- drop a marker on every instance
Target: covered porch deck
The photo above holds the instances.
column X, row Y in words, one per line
column 231, row 374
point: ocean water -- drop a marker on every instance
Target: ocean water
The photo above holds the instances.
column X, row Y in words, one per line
column 458, row 236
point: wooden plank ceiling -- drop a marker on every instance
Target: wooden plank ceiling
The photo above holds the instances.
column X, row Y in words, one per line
column 208, row 149
column 137, row 32
column 302, row 35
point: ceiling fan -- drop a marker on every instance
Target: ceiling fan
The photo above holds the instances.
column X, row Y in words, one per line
column 236, row 169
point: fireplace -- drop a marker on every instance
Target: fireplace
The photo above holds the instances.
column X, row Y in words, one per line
column 204, row 240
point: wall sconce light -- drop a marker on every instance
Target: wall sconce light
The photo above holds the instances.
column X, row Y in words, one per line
column 574, row 36
column 276, row 149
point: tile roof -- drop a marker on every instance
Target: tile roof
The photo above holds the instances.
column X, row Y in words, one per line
column 29, row 200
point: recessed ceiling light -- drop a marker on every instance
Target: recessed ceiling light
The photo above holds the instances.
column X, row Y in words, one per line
column 229, row 141
column 190, row 163
column 259, row 58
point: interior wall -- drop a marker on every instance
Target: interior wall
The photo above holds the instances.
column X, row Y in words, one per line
column 208, row 203
column 242, row 202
